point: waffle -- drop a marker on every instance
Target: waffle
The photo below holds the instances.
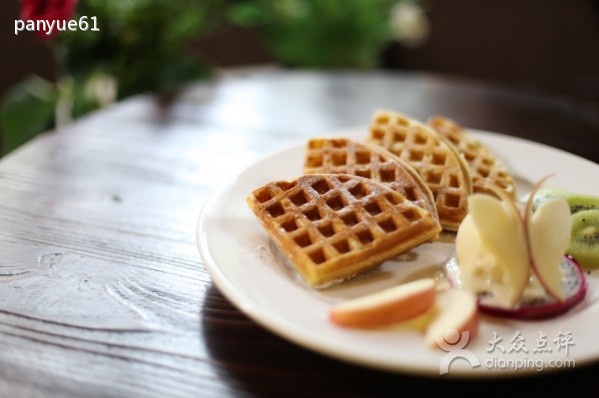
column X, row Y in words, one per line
column 345, row 156
column 436, row 160
column 331, row 227
column 486, row 169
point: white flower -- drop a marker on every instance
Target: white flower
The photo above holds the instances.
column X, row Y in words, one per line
column 409, row 24
column 102, row 88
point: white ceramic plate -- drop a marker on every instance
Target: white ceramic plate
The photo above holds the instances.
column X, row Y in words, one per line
column 247, row 269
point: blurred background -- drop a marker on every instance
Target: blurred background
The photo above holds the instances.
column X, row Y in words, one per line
column 159, row 46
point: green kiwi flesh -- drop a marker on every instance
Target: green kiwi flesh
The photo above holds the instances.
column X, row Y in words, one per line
column 584, row 241
column 577, row 201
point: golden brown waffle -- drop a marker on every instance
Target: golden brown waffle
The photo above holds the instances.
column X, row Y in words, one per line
column 346, row 156
column 486, row 169
column 436, row 160
column 331, row 227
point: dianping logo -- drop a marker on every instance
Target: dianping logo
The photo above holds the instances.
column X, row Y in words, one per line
column 453, row 343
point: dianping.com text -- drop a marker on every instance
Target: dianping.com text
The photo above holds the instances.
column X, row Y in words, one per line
column 84, row 23
column 528, row 363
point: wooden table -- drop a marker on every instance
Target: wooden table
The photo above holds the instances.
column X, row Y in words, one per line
column 103, row 291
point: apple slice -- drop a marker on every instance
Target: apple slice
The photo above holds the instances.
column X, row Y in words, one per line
column 548, row 230
column 389, row 306
column 501, row 229
column 467, row 243
column 457, row 312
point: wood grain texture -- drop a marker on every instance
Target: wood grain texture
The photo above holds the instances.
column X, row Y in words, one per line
column 103, row 292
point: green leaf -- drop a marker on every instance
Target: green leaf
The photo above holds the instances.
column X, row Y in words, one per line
column 27, row 110
column 246, row 15
column 320, row 33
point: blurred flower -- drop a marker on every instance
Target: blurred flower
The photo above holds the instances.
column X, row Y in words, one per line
column 102, row 88
column 47, row 10
column 409, row 23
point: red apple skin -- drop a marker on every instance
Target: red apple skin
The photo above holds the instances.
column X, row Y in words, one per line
column 385, row 313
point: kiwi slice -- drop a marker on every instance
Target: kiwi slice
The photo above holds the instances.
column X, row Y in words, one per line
column 577, row 201
column 584, row 242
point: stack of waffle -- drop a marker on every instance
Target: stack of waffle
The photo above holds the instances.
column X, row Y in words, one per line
column 359, row 204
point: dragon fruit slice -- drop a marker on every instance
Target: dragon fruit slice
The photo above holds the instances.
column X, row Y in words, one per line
column 537, row 307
